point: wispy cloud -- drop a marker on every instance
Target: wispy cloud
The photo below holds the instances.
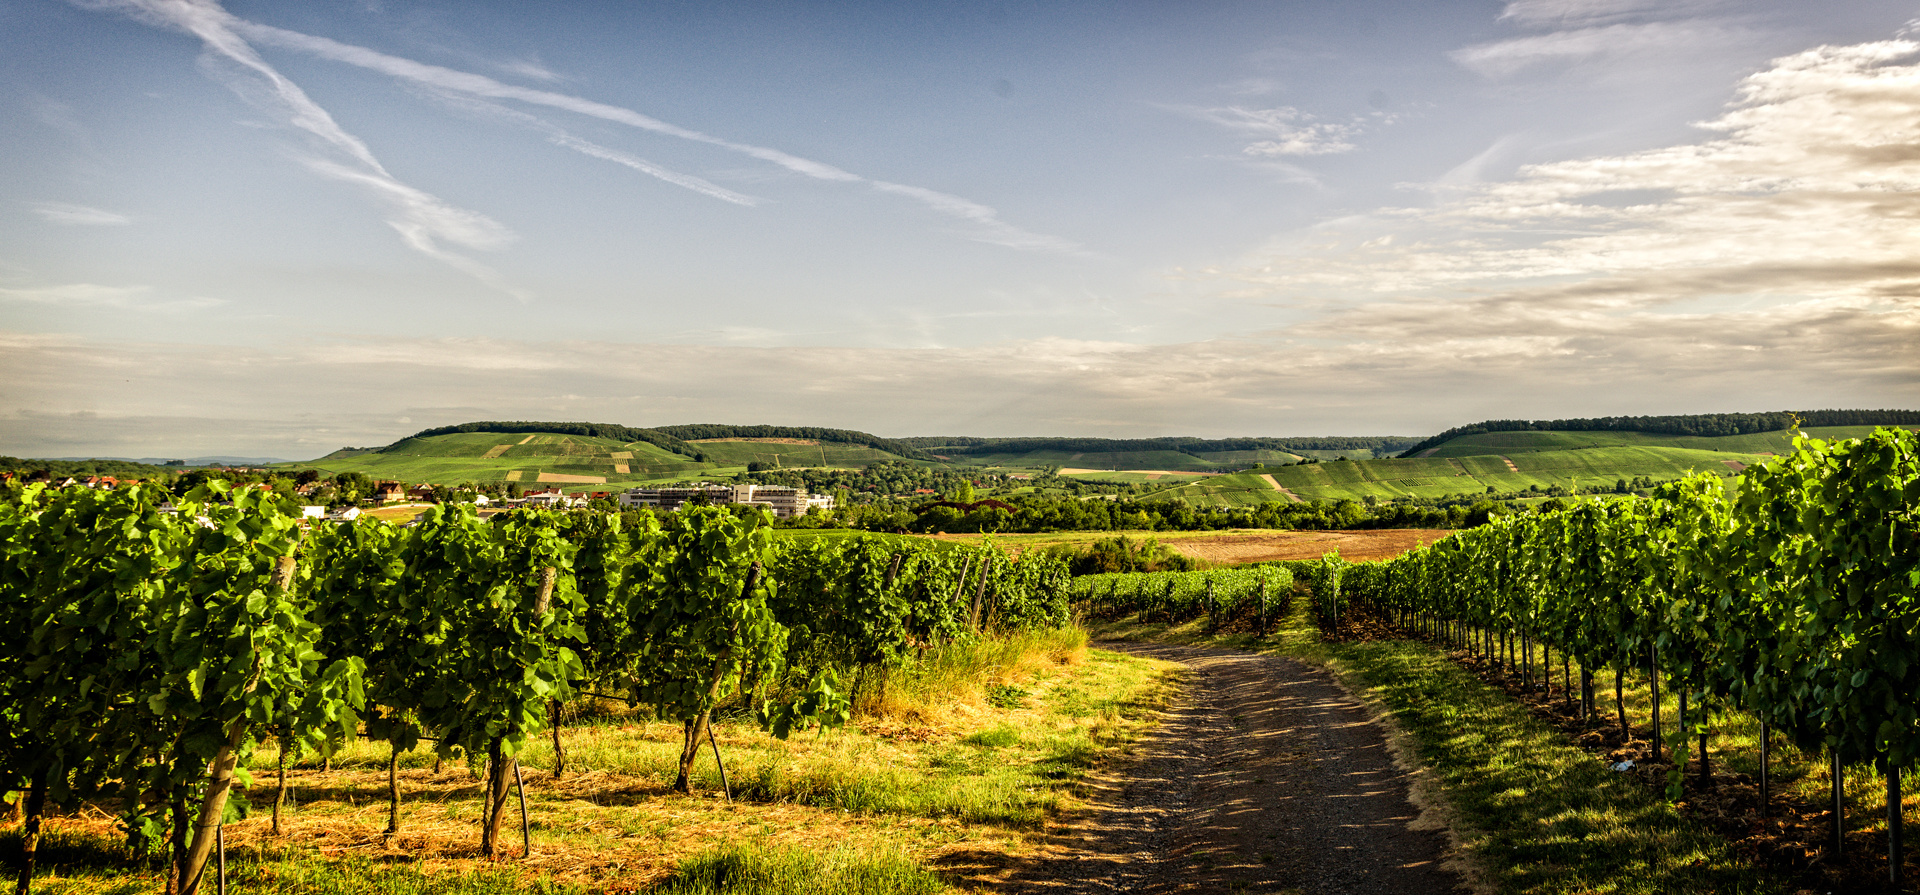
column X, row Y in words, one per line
column 425, row 222
column 989, row 229
column 557, row 135
column 80, row 215
column 125, row 298
column 1288, row 130
column 1785, row 234
column 1621, row 39
column 1563, row 13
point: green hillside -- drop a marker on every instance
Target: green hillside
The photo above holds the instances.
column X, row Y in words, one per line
column 1524, row 442
column 824, row 453
column 575, row 462
column 1518, row 471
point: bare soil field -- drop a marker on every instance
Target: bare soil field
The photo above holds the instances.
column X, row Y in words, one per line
column 563, row 479
column 1244, row 547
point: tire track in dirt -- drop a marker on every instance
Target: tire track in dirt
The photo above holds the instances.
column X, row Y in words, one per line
column 1266, row 776
column 1295, row 498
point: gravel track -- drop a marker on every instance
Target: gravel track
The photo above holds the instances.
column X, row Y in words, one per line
column 1265, row 776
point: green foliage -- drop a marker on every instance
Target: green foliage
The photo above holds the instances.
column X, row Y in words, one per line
column 1796, row 602
column 1124, row 554
column 700, row 619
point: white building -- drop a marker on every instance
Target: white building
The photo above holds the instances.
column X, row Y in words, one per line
column 782, row 500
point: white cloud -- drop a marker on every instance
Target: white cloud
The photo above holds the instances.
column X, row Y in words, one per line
column 1779, row 249
column 128, row 298
column 1591, row 12
column 1619, row 40
column 1288, row 130
column 80, row 215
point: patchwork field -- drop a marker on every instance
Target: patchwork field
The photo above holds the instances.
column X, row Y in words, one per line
column 514, row 457
column 791, row 452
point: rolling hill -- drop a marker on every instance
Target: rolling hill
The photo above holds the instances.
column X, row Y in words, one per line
column 1497, row 457
column 580, row 461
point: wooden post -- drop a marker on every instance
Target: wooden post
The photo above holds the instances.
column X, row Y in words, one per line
column 559, row 752
column 1839, row 807
column 1766, row 788
column 393, row 790
column 1896, row 829
column 1653, row 677
column 986, row 571
column 36, row 802
column 526, row 828
column 280, row 791
column 1620, row 702
column 717, row 763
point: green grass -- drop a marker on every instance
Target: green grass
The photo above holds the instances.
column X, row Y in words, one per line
column 740, row 453
column 1536, row 814
column 761, row 870
column 1235, row 490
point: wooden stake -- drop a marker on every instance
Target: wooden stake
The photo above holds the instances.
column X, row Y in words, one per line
column 1839, row 807
column 1896, row 829
column 526, row 828
column 721, row 765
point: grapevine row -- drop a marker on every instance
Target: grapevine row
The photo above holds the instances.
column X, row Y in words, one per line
column 1796, row 599
column 145, row 648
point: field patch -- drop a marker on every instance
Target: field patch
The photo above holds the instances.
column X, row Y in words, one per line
column 513, row 475
column 564, row 479
column 1236, row 546
column 495, row 451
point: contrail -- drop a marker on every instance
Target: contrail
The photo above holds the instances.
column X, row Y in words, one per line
column 992, row 229
column 208, row 16
column 422, row 219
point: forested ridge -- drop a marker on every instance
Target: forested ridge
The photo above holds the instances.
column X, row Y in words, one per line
column 693, row 431
column 655, row 437
column 1705, row 425
column 964, row 444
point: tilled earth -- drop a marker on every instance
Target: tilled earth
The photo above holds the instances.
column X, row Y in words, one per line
column 1266, row 776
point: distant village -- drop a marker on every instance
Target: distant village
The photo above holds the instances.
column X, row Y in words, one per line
column 783, row 501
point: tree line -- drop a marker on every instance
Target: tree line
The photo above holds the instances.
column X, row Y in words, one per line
column 1705, row 425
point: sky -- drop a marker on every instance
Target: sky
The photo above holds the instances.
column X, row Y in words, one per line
column 277, row 229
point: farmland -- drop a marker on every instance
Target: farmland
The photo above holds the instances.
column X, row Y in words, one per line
column 1522, row 462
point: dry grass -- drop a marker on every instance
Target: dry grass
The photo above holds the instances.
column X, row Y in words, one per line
column 971, row 748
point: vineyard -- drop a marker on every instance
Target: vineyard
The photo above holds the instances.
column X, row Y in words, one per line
column 1793, row 600
column 149, row 647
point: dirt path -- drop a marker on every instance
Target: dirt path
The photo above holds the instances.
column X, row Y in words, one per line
column 1265, row 777
column 1509, row 462
column 1278, row 487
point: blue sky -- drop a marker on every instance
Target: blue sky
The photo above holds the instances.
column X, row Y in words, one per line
column 279, row 228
